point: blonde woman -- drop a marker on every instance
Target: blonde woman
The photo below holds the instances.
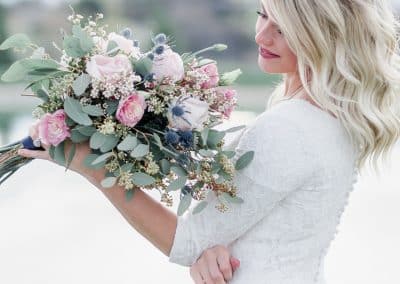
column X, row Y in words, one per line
column 336, row 109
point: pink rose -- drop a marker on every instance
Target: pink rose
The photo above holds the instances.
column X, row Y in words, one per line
column 108, row 69
column 53, row 129
column 131, row 109
column 168, row 64
column 211, row 71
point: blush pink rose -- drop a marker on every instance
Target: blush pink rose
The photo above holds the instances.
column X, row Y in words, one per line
column 131, row 109
column 168, row 65
column 108, row 69
column 53, row 129
column 211, row 71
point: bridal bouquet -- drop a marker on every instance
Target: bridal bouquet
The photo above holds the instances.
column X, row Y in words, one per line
column 148, row 117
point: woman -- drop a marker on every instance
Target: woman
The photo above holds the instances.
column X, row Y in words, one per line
column 336, row 107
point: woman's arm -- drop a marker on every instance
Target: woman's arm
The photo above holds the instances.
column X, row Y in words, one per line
column 277, row 169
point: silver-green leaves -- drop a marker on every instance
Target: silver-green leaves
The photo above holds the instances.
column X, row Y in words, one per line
column 19, row 41
column 74, row 110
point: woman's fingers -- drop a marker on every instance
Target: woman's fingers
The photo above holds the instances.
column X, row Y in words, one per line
column 224, row 265
column 44, row 155
column 204, row 272
column 195, row 274
column 235, row 263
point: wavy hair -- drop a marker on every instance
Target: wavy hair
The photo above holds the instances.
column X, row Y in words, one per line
column 348, row 62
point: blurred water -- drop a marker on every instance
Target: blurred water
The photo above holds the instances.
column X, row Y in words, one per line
column 58, row 228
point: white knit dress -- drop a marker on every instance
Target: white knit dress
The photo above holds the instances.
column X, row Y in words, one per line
column 294, row 192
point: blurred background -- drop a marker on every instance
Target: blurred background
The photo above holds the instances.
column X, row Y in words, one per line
column 57, row 228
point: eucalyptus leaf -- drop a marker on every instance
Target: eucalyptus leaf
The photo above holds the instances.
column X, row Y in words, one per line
column 214, row 137
column 93, row 110
column 110, row 143
column 127, row 167
column 143, row 66
column 140, row 150
column 204, row 136
column 165, row 166
column 231, row 199
column 157, row 139
column 108, row 182
column 206, row 153
column 199, row 207
column 51, row 151
column 59, row 154
column 112, row 107
column 19, row 41
column 229, row 154
column 244, row 160
column 102, row 158
column 129, row 194
column 177, row 184
column 20, row 69
column 81, row 84
column 72, row 47
column 142, row 179
column 73, row 108
column 87, row 162
column 41, row 94
column 71, row 155
column 184, row 204
column 179, row 171
column 97, row 140
column 86, row 130
column 78, row 137
column 112, row 48
column 128, row 144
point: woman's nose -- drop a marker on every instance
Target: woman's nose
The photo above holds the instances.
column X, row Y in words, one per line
column 263, row 37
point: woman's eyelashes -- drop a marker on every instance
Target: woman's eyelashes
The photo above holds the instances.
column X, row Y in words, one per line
column 265, row 16
column 261, row 14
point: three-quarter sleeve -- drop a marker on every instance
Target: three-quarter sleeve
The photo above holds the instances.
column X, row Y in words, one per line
column 280, row 165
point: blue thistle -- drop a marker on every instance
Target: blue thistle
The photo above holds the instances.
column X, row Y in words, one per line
column 171, row 137
column 127, row 33
column 177, row 110
column 150, row 56
column 186, row 138
column 160, row 49
column 160, row 39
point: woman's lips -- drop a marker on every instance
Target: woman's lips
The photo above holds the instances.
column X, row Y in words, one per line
column 266, row 54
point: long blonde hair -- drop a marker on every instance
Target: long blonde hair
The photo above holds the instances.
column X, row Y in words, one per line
column 349, row 49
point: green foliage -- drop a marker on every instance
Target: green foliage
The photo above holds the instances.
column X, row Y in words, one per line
column 74, row 110
column 184, row 204
column 19, row 41
column 81, row 84
column 244, row 160
column 142, row 179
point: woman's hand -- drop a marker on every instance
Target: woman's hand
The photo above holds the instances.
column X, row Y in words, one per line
column 214, row 266
column 82, row 150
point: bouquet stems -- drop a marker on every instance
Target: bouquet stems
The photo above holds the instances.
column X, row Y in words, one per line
column 10, row 161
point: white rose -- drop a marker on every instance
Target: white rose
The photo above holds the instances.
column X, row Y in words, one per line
column 168, row 64
column 126, row 45
column 110, row 69
column 187, row 113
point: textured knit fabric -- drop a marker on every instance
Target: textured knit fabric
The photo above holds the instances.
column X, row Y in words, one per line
column 294, row 192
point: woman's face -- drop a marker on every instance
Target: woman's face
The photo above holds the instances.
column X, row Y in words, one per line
column 271, row 40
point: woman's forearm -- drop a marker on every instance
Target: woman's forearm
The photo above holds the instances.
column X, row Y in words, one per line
column 149, row 217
